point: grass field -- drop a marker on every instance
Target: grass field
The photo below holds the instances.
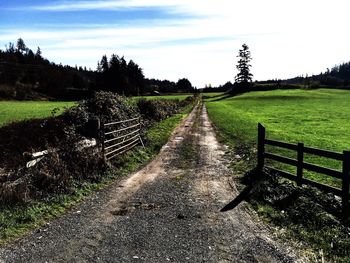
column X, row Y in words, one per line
column 319, row 118
column 212, row 94
column 11, row 111
column 167, row 97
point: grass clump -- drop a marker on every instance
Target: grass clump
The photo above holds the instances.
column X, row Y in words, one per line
column 306, row 214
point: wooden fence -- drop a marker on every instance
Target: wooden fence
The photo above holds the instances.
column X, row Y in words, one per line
column 120, row 136
column 114, row 137
column 300, row 164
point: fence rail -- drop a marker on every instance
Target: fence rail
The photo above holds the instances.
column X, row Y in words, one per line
column 118, row 122
column 114, row 137
column 120, row 136
column 301, row 165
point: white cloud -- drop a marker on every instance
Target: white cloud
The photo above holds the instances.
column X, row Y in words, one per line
column 104, row 5
column 286, row 38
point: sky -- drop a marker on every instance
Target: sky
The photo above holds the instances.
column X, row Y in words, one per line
column 194, row 39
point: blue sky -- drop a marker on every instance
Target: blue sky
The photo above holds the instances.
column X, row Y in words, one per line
column 196, row 39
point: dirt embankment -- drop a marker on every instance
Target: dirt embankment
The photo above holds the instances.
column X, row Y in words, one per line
column 168, row 211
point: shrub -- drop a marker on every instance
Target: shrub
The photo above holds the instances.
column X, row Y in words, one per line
column 55, row 171
column 106, row 106
column 67, row 163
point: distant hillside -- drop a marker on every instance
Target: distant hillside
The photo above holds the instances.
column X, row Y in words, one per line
column 336, row 77
column 25, row 75
column 28, row 75
column 168, row 87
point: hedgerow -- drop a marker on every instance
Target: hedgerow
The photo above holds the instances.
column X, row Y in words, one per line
column 66, row 162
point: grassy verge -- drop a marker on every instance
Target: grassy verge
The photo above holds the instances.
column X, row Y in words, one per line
column 188, row 150
column 319, row 118
column 17, row 221
column 212, row 94
column 159, row 134
column 166, row 97
column 307, row 216
column 11, row 111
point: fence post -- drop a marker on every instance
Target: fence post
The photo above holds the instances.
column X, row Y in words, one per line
column 94, row 126
column 102, row 138
column 345, row 182
column 300, row 157
column 261, row 146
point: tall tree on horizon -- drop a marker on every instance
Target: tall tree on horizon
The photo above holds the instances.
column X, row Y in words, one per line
column 38, row 53
column 21, row 47
column 244, row 76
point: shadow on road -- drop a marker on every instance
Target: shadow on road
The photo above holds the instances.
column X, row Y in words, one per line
column 243, row 195
column 218, row 98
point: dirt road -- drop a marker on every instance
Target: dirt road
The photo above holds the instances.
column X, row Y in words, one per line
column 167, row 212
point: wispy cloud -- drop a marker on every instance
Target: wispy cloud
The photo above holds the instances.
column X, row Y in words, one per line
column 105, row 5
column 194, row 38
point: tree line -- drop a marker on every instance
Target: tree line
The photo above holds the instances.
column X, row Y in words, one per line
column 25, row 74
column 127, row 78
column 336, row 77
column 28, row 75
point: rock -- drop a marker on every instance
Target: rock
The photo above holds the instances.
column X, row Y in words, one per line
column 180, row 216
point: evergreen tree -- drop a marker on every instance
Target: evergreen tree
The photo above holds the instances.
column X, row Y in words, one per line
column 244, row 76
column 184, row 85
column 11, row 48
column 104, row 63
column 118, row 75
column 21, row 47
column 30, row 55
column 27, row 75
column 38, row 53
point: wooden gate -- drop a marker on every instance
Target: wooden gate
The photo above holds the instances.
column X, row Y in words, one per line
column 120, row 136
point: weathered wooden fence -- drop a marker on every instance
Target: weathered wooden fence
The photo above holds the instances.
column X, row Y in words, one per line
column 300, row 164
column 114, row 137
column 120, row 136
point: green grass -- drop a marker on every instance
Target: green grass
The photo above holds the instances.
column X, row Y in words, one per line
column 212, row 94
column 167, row 97
column 17, row 221
column 319, row 118
column 331, row 236
column 11, row 111
column 159, row 134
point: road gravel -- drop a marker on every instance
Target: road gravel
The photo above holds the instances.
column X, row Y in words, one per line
column 167, row 212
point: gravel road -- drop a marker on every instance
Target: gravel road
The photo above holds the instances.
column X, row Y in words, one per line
column 167, row 212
